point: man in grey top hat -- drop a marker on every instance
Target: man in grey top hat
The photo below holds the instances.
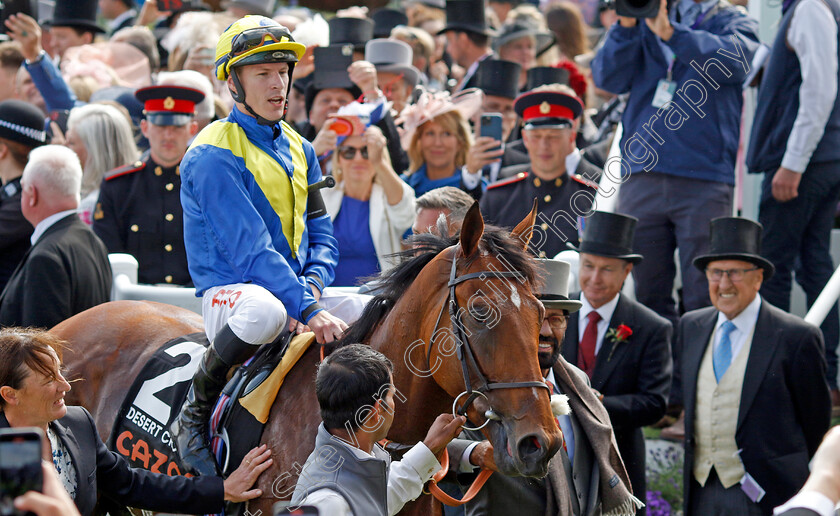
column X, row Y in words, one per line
column 395, row 73
column 586, row 477
column 622, row 345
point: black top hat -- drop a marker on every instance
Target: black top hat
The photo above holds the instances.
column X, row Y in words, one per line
column 169, row 105
column 75, row 13
column 735, row 238
column 498, row 77
column 386, row 19
column 547, row 109
column 468, row 16
column 555, row 290
column 23, row 123
column 351, row 31
column 610, row 235
column 330, row 72
column 542, row 75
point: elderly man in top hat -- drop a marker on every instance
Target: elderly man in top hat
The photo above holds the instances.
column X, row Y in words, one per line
column 623, row 346
column 756, row 399
column 562, row 183
column 395, row 73
column 139, row 208
column 586, row 477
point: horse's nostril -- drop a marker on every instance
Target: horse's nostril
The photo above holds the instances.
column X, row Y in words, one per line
column 531, row 448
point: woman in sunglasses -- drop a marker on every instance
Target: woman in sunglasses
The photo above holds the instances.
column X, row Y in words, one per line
column 371, row 207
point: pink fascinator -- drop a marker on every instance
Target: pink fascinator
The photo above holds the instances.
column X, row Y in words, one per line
column 431, row 105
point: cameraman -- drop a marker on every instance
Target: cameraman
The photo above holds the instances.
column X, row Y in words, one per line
column 684, row 70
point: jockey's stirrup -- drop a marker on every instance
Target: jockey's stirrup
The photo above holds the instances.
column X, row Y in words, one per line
column 190, row 427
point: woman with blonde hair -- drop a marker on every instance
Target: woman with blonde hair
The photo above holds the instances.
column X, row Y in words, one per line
column 370, row 206
column 102, row 138
column 438, row 139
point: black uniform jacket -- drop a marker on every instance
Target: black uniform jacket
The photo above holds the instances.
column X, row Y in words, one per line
column 139, row 213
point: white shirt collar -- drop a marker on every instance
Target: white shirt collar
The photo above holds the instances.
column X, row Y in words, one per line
column 572, row 162
column 605, row 311
column 121, row 18
column 45, row 224
column 744, row 321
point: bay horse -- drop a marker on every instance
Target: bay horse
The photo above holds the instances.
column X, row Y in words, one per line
column 458, row 319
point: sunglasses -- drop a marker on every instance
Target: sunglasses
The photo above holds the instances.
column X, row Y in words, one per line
column 256, row 37
column 348, row 152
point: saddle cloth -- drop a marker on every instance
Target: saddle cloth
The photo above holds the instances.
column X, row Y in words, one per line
column 141, row 431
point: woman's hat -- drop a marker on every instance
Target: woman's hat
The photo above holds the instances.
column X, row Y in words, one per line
column 735, row 238
column 520, row 29
column 555, row 290
column 498, row 77
column 431, row 105
column 22, row 122
column 393, row 56
column 610, row 235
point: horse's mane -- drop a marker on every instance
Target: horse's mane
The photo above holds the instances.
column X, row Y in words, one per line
column 392, row 284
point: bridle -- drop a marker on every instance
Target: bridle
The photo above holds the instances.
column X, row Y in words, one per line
column 464, row 348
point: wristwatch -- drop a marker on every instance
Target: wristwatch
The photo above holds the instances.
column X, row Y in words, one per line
column 38, row 59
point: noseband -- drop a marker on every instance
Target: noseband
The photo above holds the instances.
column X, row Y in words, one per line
column 464, row 348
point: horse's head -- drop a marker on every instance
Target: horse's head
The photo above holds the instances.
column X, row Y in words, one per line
column 483, row 336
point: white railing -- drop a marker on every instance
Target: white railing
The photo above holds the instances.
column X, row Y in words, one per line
column 125, row 286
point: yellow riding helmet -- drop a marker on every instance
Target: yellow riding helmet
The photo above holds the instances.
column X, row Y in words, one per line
column 255, row 39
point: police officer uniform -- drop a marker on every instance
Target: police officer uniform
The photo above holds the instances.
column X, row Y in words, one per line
column 139, row 209
column 20, row 123
column 560, row 211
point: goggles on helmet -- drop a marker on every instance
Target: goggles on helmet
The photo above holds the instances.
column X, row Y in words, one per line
column 258, row 36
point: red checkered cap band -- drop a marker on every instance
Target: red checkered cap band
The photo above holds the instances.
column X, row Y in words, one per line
column 553, row 111
column 169, row 105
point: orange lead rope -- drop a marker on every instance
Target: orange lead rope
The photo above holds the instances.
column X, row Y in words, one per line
column 438, row 493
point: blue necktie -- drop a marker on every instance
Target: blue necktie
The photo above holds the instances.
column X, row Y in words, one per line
column 722, row 356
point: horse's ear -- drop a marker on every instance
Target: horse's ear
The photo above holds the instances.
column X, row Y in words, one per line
column 471, row 230
column 525, row 229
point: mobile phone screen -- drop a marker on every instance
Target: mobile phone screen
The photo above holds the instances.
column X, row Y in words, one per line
column 491, row 125
column 20, row 469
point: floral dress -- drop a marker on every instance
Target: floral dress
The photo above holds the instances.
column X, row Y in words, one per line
column 63, row 463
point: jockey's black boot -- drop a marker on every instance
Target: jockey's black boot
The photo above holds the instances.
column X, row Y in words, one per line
column 190, row 427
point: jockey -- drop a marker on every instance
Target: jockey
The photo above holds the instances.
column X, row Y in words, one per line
column 260, row 248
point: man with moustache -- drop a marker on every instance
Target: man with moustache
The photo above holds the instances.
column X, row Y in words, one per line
column 586, row 477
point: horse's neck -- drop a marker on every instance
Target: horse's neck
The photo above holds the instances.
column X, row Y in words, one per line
column 423, row 399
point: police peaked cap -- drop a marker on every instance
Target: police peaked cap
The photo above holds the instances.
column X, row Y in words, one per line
column 22, row 122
